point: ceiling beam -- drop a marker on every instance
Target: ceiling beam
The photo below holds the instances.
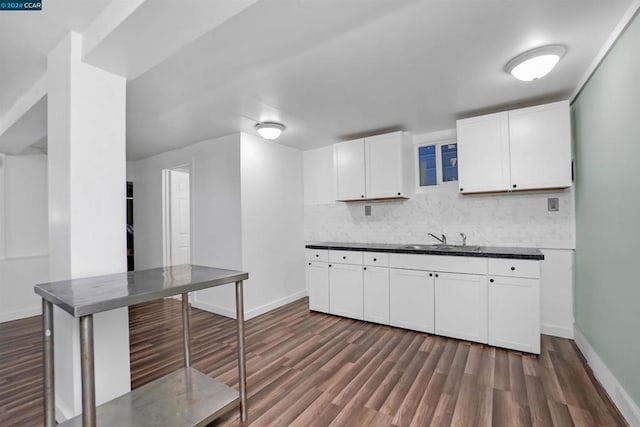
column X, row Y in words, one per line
column 129, row 38
column 26, row 122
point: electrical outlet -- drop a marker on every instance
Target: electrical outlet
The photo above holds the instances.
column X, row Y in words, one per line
column 553, row 204
column 367, row 210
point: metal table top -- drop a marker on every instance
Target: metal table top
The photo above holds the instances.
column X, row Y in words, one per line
column 81, row 297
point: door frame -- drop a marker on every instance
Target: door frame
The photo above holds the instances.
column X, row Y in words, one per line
column 166, row 212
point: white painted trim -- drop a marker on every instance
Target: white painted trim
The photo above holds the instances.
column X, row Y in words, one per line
column 254, row 312
column 608, row 44
column 440, row 135
column 20, row 314
column 614, row 389
column 557, row 331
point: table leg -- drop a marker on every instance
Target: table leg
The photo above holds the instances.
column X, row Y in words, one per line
column 49, row 377
column 186, row 330
column 87, row 372
column 242, row 366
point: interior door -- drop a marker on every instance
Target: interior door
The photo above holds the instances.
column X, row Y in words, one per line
column 180, row 218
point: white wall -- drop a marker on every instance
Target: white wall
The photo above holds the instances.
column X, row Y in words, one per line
column 24, row 255
column 215, row 210
column 518, row 219
column 247, row 214
column 272, row 224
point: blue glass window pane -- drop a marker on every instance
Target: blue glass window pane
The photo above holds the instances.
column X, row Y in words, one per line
column 427, row 161
column 449, row 162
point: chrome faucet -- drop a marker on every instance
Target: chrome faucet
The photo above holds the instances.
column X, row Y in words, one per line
column 464, row 239
column 442, row 240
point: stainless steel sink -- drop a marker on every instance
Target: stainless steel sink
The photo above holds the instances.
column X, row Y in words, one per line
column 444, row 248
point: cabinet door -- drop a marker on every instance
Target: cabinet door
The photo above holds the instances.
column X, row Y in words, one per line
column 483, row 153
column 411, row 299
column 345, row 290
column 349, row 168
column 461, row 306
column 514, row 313
column 384, row 166
column 376, row 294
column 318, row 286
column 540, row 146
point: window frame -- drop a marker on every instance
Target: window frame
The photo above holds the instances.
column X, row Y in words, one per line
column 416, row 155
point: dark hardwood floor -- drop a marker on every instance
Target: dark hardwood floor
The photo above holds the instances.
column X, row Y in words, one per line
column 310, row 369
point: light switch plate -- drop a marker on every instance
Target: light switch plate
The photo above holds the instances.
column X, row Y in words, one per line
column 553, row 204
column 367, row 210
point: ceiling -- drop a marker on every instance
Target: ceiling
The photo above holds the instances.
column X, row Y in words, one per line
column 332, row 69
column 26, row 38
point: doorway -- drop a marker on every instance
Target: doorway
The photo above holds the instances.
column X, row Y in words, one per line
column 176, row 215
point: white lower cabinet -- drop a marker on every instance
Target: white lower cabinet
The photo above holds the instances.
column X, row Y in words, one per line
column 345, row 290
column 318, row 285
column 376, row 294
column 411, row 299
column 494, row 301
column 514, row 313
column 461, row 306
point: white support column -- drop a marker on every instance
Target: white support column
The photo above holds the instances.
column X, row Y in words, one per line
column 87, row 213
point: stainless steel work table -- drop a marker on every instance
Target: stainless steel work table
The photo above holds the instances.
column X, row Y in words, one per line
column 185, row 397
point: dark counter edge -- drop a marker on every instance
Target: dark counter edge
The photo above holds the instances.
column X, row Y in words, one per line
column 126, row 301
column 400, row 250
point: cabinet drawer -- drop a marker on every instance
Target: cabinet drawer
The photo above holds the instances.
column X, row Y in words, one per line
column 376, row 258
column 452, row 264
column 345, row 257
column 317, row 255
column 514, row 268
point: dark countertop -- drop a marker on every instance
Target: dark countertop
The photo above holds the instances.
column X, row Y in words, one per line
column 467, row 251
column 80, row 297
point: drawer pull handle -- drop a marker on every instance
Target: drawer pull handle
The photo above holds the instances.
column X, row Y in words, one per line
column 309, row 263
column 317, row 255
column 491, row 280
column 344, row 257
column 513, row 269
column 365, row 268
column 329, row 265
column 375, row 259
column 430, row 274
column 436, row 275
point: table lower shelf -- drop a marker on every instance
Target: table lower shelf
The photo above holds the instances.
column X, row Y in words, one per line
column 186, row 397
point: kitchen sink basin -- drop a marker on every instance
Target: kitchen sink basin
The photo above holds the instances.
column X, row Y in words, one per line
column 452, row 248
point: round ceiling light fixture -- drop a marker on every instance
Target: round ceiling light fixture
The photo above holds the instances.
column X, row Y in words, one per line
column 270, row 130
column 535, row 63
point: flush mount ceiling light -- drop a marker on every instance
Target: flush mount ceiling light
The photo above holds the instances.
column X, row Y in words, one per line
column 270, row 130
column 535, row 63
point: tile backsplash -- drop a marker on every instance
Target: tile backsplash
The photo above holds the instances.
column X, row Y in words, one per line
column 518, row 219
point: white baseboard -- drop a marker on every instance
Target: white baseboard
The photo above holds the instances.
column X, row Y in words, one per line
column 617, row 393
column 251, row 313
column 20, row 314
column 557, row 331
column 215, row 309
column 62, row 413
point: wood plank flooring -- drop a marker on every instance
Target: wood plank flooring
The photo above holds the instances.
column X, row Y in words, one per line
column 311, row 369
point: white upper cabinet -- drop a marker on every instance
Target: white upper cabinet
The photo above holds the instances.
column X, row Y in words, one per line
column 523, row 149
column 384, row 168
column 349, row 168
column 483, row 153
column 376, row 167
column 540, row 147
